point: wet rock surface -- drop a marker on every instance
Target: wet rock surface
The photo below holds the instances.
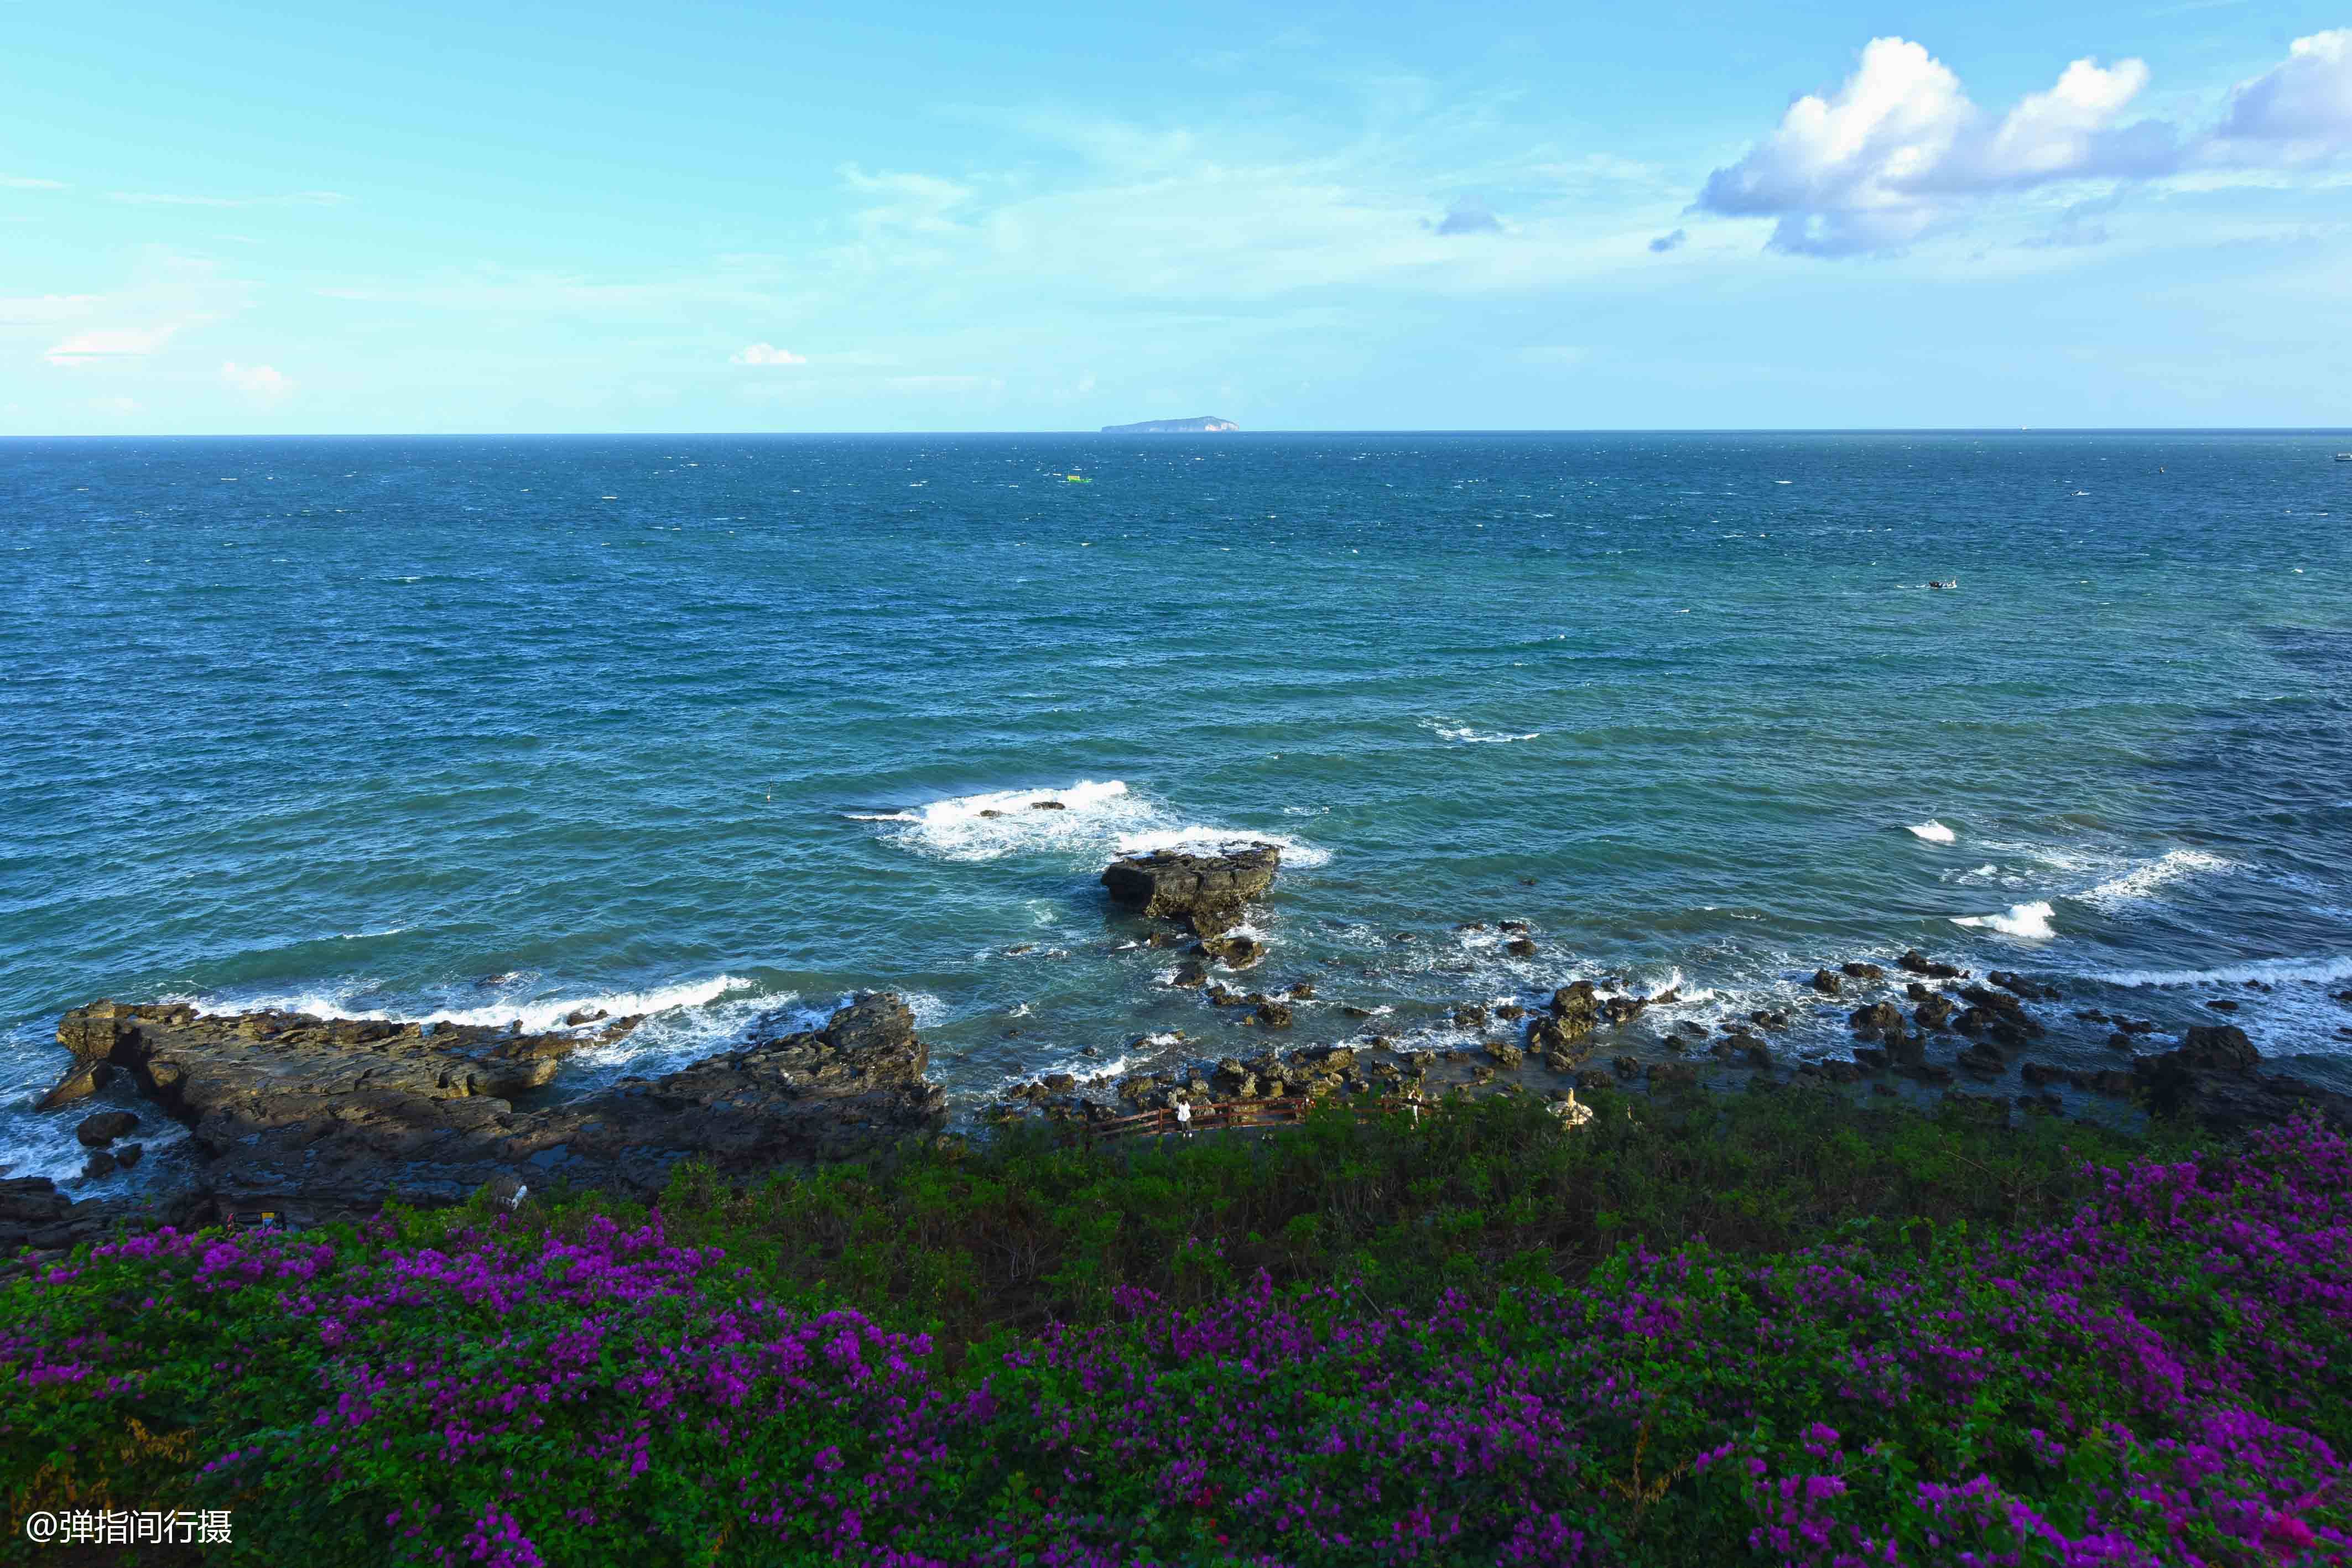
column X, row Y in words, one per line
column 317, row 1117
column 320, row 1117
column 1203, row 892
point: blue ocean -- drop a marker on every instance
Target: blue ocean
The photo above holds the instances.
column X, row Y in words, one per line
column 495, row 729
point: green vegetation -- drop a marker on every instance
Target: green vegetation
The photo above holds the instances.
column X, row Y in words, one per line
column 1035, row 1228
column 1769, row 1328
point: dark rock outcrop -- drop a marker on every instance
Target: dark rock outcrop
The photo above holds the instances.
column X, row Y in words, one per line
column 1233, row 952
column 97, row 1131
column 2212, row 1077
column 1205, row 891
column 1918, row 963
column 2028, row 990
column 1575, row 1008
column 1880, row 1021
column 318, row 1117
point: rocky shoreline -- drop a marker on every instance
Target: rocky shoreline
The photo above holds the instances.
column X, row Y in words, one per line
column 315, row 1119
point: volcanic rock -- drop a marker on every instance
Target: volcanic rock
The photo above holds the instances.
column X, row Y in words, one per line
column 1574, row 1007
column 1880, row 1021
column 1205, row 891
column 97, row 1132
column 2024, row 987
column 332, row 1116
column 1233, row 952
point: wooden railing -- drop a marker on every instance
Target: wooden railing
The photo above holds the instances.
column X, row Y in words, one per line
column 1222, row 1116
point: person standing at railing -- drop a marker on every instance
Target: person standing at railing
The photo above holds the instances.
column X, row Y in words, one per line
column 1184, row 1117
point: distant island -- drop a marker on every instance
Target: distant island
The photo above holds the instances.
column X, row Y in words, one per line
column 1171, row 426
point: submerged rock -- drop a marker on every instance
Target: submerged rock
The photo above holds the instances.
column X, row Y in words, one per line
column 1233, row 952
column 1918, row 963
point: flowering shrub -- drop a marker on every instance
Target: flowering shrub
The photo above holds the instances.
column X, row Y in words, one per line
column 2158, row 1379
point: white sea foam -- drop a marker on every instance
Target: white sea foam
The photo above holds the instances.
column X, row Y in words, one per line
column 2320, row 970
column 2020, row 920
column 1295, row 852
column 2142, row 881
column 1462, row 734
column 534, row 1016
column 1934, row 832
column 929, row 1011
column 1088, row 819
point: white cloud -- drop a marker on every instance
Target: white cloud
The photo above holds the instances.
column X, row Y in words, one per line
column 115, row 344
column 1888, row 156
column 264, row 381
column 27, row 183
column 1899, row 151
column 164, row 295
column 2300, row 110
column 765, row 354
column 115, row 404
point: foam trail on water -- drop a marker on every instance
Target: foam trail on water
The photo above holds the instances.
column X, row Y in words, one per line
column 2020, row 920
column 1091, row 819
column 1934, row 832
column 1464, row 734
column 1295, row 852
column 2140, row 883
column 2270, row 971
column 535, row 1015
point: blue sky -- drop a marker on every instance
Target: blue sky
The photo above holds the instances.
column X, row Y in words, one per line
column 699, row 217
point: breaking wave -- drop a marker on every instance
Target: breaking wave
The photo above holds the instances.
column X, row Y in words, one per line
column 2019, row 920
column 534, row 1016
column 1089, row 819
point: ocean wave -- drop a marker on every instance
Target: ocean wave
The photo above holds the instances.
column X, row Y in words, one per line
column 2141, row 882
column 1090, row 820
column 1465, row 735
column 1934, row 832
column 2270, row 971
column 536, row 1016
column 2019, row 920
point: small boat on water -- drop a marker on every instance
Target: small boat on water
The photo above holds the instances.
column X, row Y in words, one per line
column 2344, row 457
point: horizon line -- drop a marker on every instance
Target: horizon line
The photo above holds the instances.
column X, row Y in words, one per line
column 2326, row 430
